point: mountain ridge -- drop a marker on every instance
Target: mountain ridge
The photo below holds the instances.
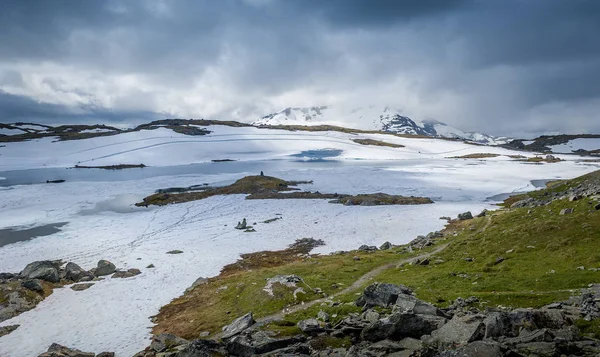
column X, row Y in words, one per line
column 374, row 118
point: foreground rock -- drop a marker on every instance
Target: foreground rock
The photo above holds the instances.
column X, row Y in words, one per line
column 126, row 274
column 403, row 325
column 23, row 291
column 238, row 325
column 104, row 268
column 44, row 270
column 75, row 273
column 56, row 350
column 81, row 287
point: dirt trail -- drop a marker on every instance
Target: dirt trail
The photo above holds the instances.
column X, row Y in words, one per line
column 355, row 286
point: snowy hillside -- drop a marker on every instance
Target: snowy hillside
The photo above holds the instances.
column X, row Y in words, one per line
column 374, row 118
column 102, row 222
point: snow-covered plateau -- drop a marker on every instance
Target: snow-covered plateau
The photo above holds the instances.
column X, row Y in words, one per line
column 102, row 223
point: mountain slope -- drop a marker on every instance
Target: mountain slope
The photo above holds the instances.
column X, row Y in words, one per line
column 374, row 118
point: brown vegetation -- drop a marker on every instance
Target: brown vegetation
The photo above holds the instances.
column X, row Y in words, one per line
column 376, row 143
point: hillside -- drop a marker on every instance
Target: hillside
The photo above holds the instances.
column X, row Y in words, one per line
column 584, row 144
column 540, row 251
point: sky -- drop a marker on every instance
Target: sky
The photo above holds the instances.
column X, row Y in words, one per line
column 506, row 67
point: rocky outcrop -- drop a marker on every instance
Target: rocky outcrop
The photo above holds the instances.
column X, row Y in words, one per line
column 56, row 350
column 23, row 291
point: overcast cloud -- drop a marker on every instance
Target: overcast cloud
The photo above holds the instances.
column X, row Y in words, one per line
column 508, row 67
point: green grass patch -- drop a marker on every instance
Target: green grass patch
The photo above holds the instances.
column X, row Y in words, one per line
column 589, row 328
column 541, row 252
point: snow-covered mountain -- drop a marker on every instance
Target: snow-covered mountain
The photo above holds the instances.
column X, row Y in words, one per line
column 374, row 118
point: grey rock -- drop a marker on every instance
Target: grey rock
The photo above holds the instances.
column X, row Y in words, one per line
column 33, row 285
column 74, row 272
column 367, row 248
column 5, row 330
column 204, row 334
column 259, row 342
column 238, row 325
column 45, row 270
column 507, row 323
column 199, row 281
column 371, row 316
column 197, row 348
column 56, row 350
column 310, row 326
column 242, row 225
column 483, row 213
column 176, row 251
column 478, row 349
column 323, row 316
column 526, row 336
column 381, row 294
column 565, row 211
column 464, row 216
column 81, row 287
column 150, row 266
column 597, row 207
column 126, row 274
column 400, row 325
column 104, row 268
column 165, row 341
column 386, row 246
column 538, row 349
column 7, row 276
column 106, row 354
column 409, row 303
column 460, row 331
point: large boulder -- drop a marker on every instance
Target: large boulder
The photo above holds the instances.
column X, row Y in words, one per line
column 400, row 325
column 460, row 331
column 45, row 270
column 464, row 216
column 74, row 272
column 381, row 294
column 238, row 325
column 104, row 268
column 56, row 350
column 259, row 342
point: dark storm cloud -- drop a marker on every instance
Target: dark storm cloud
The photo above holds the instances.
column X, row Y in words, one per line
column 479, row 64
column 23, row 109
